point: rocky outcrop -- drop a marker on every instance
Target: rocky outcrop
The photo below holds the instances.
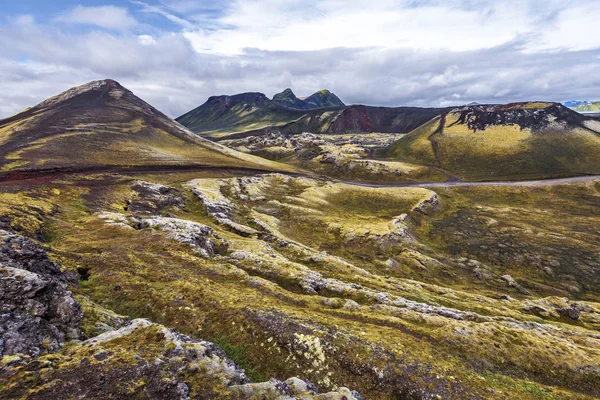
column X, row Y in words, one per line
column 535, row 116
column 151, row 198
column 220, row 208
column 149, row 361
column 37, row 311
column 428, row 205
column 200, row 238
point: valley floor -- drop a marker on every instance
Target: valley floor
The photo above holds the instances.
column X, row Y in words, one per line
column 450, row 290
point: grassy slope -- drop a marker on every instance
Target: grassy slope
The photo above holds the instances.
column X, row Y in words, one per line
column 504, row 151
column 249, row 297
column 356, row 119
column 70, row 129
column 238, row 118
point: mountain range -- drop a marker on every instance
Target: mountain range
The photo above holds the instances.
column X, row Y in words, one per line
column 249, row 113
column 512, row 141
column 222, row 115
column 583, row 106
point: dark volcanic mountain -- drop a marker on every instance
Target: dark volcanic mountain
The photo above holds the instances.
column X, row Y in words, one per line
column 249, row 111
column 520, row 140
column 288, row 99
column 320, row 99
column 104, row 124
column 354, row 119
column 322, row 112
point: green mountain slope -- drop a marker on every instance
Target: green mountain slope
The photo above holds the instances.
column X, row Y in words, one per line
column 103, row 124
column 358, row 119
column 237, row 113
column 513, row 141
column 323, row 99
column 222, row 115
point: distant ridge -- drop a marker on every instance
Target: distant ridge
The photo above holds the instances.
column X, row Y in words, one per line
column 320, row 99
column 287, row 98
column 583, row 106
column 248, row 111
column 321, row 112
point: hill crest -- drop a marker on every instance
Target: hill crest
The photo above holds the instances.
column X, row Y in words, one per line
column 320, row 99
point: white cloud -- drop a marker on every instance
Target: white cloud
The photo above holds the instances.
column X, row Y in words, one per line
column 146, row 40
column 283, row 25
column 575, row 28
column 439, row 53
column 109, row 17
column 457, row 25
column 161, row 11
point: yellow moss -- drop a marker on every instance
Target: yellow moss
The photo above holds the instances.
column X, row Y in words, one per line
column 495, row 139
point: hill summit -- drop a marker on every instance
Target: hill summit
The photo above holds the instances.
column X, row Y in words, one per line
column 320, row 99
column 103, row 124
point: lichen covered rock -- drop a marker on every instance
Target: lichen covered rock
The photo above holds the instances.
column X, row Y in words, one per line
column 37, row 311
column 149, row 361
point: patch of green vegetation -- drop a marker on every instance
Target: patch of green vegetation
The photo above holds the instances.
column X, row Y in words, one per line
column 239, row 354
column 528, row 389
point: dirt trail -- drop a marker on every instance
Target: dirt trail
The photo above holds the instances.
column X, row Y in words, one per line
column 46, row 174
column 536, row 182
column 8, row 178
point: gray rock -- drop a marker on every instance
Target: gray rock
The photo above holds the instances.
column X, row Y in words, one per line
column 151, row 198
column 190, row 233
column 572, row 312
column 37, row 312
column 351, row 305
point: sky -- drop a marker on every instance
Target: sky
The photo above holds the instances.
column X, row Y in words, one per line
column 176, row 53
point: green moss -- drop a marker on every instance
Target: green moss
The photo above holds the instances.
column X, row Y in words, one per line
column 239, row 354
column 255, row 320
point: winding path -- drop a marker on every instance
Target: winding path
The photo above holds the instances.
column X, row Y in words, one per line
column 536, row 182
column 15, row 177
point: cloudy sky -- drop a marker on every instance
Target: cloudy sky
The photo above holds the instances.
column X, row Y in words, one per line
column 176, row 53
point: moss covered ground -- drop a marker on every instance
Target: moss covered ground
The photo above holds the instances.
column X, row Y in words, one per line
column 381, row 290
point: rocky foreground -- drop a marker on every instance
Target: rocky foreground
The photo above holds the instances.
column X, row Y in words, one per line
column 297, row 286
column 39, row 316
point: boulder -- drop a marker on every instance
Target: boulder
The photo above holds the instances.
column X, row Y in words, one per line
column 37, row 311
